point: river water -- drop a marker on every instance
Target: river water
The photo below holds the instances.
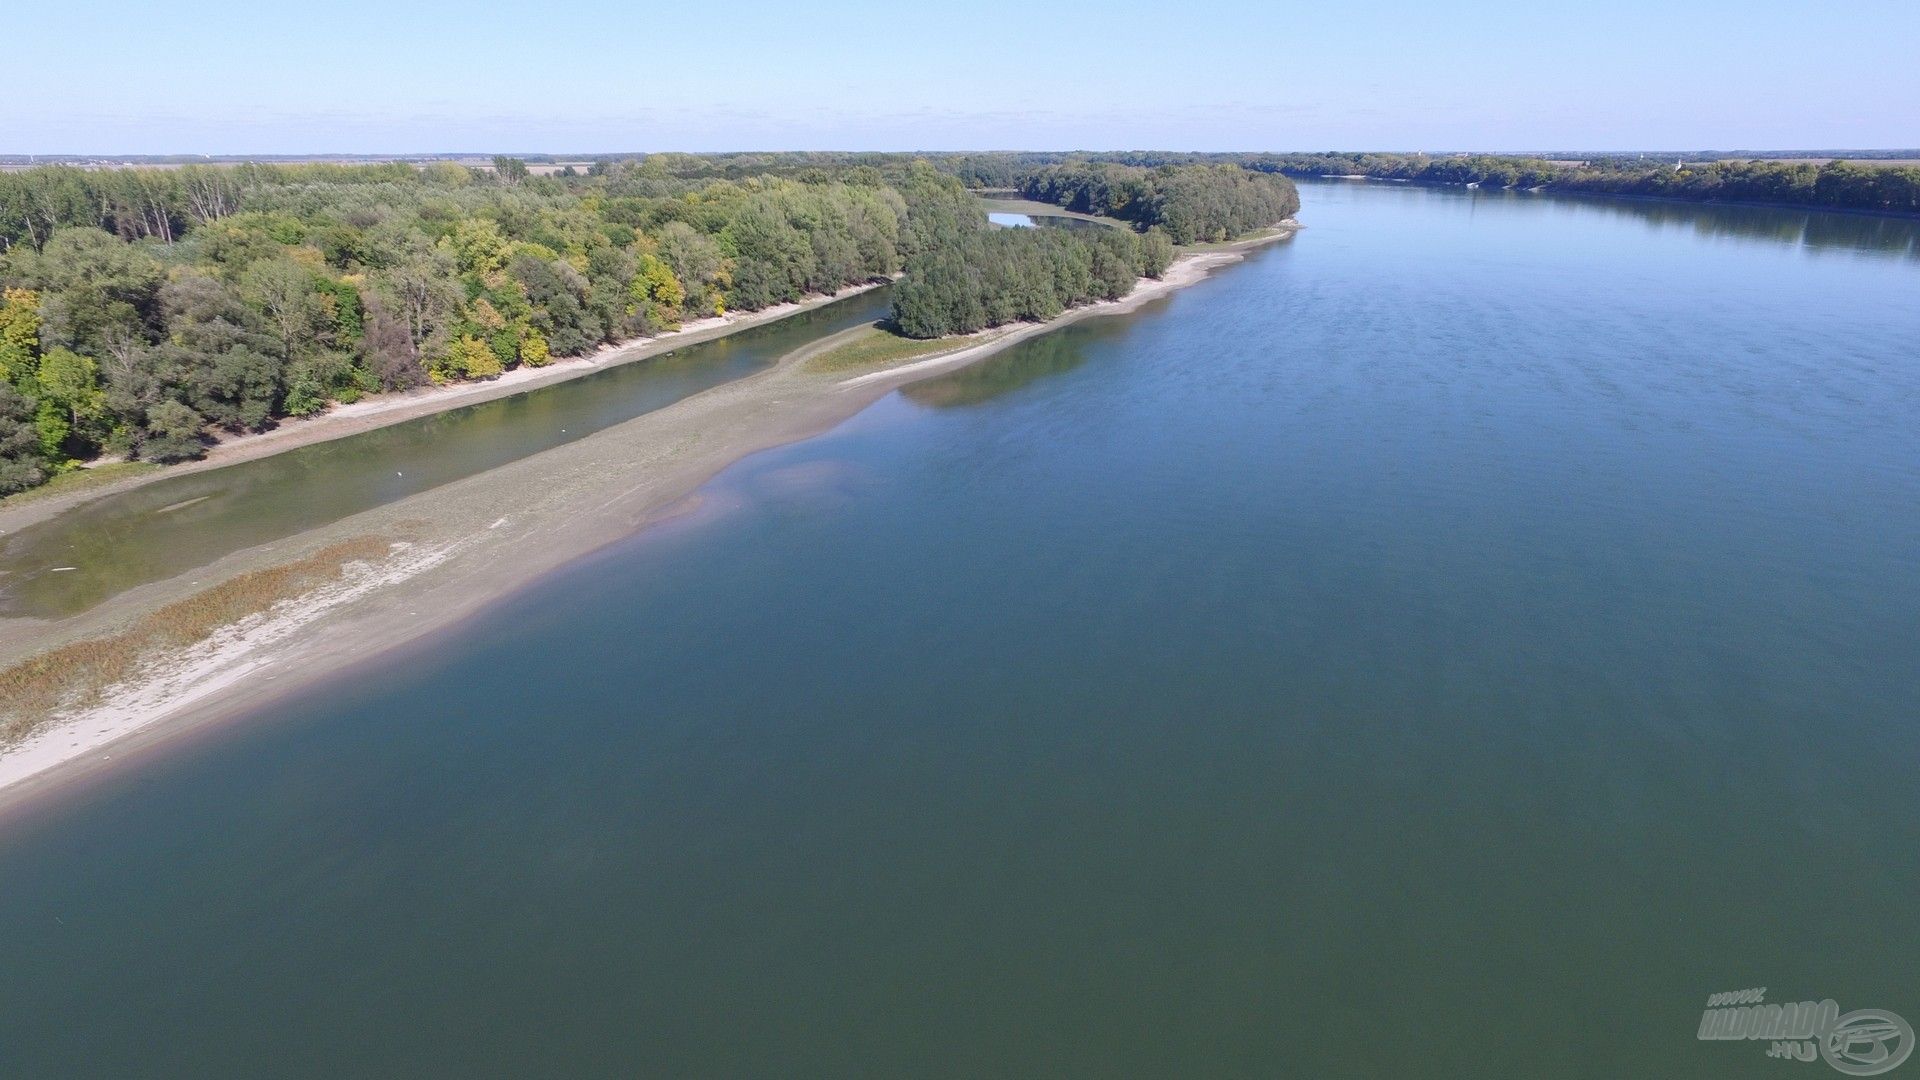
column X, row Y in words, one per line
column 1453, row 643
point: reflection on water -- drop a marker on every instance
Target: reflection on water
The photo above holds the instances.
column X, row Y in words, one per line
column 1817, row 230
column 1044, row 221
column 177, row 523
column 1062, row 221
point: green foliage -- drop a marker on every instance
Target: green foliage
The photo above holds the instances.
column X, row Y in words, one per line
column 1156, row 252
column 963, row 276
column 173, row 433
column 1193, row 203
column 22, row 454
column 19, row 336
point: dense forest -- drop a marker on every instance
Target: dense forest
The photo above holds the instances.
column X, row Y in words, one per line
column 1193, row 203
column 963, row 275
column 143, row 311
column 1839, row 185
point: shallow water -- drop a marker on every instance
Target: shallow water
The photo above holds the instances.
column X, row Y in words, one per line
column 1454, row 643
column 175, row 524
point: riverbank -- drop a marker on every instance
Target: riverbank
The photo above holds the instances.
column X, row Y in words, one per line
column 456, row 548
column 382, row 410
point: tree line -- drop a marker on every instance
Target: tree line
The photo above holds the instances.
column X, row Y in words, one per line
column 144, row 310
column 1193, row 203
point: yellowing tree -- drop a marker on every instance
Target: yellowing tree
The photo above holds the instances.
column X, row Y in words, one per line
column 486, row 316
column 478, row 247
column 655, row 288
column 534, row 351
column 466, row 358
column 19, row 336
column 475, row 359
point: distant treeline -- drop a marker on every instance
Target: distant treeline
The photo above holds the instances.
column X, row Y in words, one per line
column 1193, row 203
column 1839, row 185
column 143, row 311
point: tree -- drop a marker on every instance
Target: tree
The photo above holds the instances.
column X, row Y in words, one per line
column 423, row 293
column 466, row 358
column 70, row 397
column 91, row 287
column 21, row 463
column 1156, row 252
column 657, row 291
column 19, row 336
column 479, row 248
column 174, row 433
column 696, row 262
column 389, row 350
column 317, row 380
column 283, row 292
column 239, row 389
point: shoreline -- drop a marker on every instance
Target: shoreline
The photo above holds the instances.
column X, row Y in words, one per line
column 397, row 407
column 461, row 555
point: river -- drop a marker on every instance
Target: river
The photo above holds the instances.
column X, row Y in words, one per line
column 1455, row 642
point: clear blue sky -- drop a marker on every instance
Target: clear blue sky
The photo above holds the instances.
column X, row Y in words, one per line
column 389, row 76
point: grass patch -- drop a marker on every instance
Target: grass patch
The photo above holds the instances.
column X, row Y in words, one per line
column 1236, row 242
column 75, row 674
column 875, row 346
column 80, row 480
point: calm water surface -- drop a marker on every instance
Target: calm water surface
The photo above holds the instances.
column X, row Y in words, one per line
column 175, row 524
column 1452, row 644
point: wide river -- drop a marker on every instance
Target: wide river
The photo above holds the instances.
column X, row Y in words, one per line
column 1451, row 644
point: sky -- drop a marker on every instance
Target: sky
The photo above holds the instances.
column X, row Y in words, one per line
column 417, row 76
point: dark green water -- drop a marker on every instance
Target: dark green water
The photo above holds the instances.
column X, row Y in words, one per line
column 176, row 524
column 1453, row 644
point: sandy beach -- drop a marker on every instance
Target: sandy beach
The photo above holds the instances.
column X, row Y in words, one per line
column 457, row 548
